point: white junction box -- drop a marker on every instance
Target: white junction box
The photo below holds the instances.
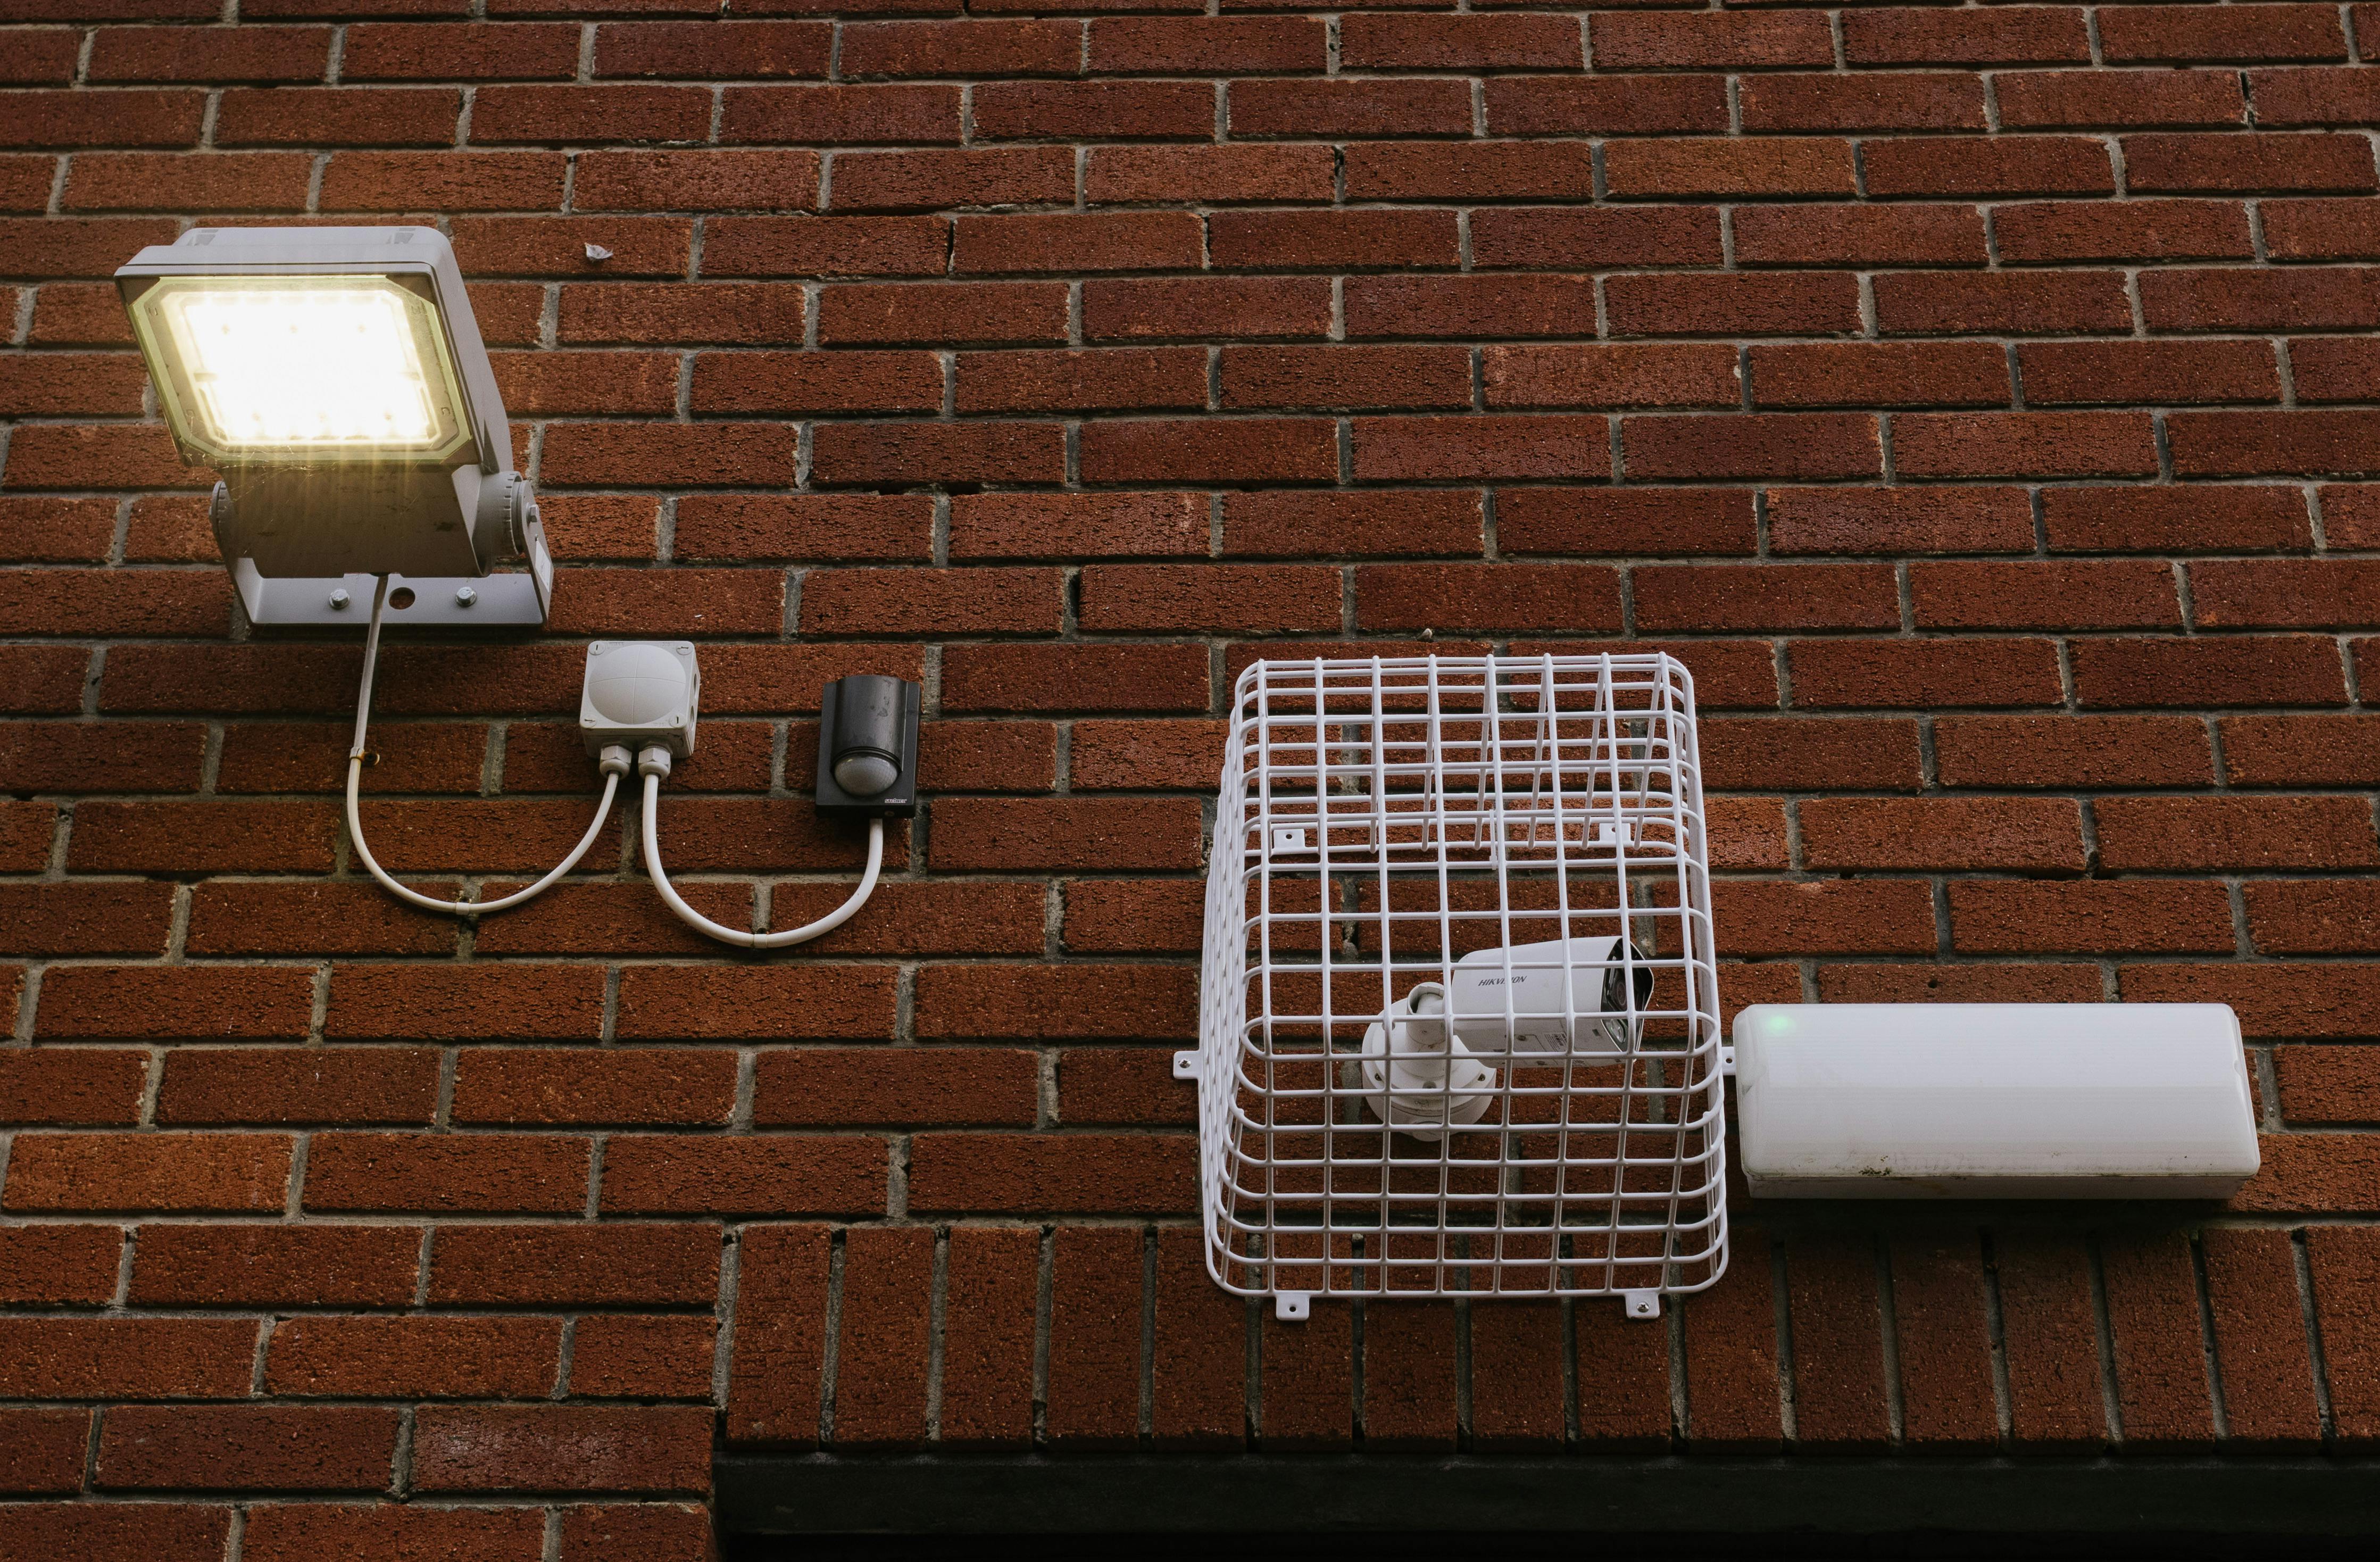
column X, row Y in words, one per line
column 1993, row 1100
column 639, row 692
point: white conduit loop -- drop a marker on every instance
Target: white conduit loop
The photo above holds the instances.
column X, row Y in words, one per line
column 355, row 785
column 725, row 935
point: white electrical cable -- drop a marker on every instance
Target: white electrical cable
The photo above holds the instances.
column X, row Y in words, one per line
column 355, row 785
column 725, row 935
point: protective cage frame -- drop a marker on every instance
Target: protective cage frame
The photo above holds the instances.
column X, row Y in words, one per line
column 1420, row 809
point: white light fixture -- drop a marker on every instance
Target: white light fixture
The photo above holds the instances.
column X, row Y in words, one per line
column 1993, row 1100
column 336, row 380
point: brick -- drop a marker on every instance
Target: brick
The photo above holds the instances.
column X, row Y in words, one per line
column 1838, row 1392
column 59, row 1265
column 291, row 1265
column 1199, row 451
column 869, row 314
column 1157, row 598
column 1755, row 447
column 105, row 118
column 2004, row 165
column 2053, row 1392
column 812, row 1087
column 1539, row 105
column 1113, row 242
column 169, row 1002
column 43, row 55
column 449, row 1003
column 2003, row 303
column 881, row 1346
column 1732, row 1401
column 2350, row 513
column 71, row 917
column 458, row 51
column 1199, row 1366
column 1305, row 106
column 557, row 246
column 293, row 1085
column 1200, row 45
column 1894, row 100
column 2341, row 299
column 413, row 1358
column 2344, row 1261
column 1882, row 374
column 1121, row 1085
column 2136, row 229
column 2333, row 369
column 2276, row 592
column 1889, row 675
column 1093, row 110
column 824, row 246
column 590, row 113
column 1846, row 754
column 42, row 1451
column 1125, row 379
column 1603, row 375
column 2129, row 34
column 777, row 1371
column 2317, row 1002
column 2316, row 751
column 961, row 48
column 1750, row 41
column 2270, row 160
column 1409, row 1372
column 2260, row 1339
column 557, row 1448
column 1897, row 520
column 1733, row 306
column 1701, row 598
column 1920, row 983
column 2023, row 444
column 2072, row 372
column 630, row 1357
column 1094, row 1350
column 919, row 181
column 661, row 1174
column 1516, row 1403
column 2274, row 443
column 1088, row 1173
column 2057, row 100
column 112, row 602
column 1306, row 1398
column 1469, row 306
column 1444, row 43
column 2160, row 1359
column 2007, row 36
column 676, row 1003
column 1567, row 237
column 1468, row 171
column 1132, row 916
column 1037, row 1004
column 2029, row 595
column 813, row 381
column 1231, row 307
column 609, row 455
column 2090, row 918
column 293, row 1531
column 1916, row 234
column 1833, row 917
column 337, row 117
column 235, row 1447
column 433, row 1173
column 1578, row 521
column 2021, row 834
column 1728, row 166
column 2244, row 833
column 2173, row 672
column 714, row 48
column 839, row 116
column 631, row 1264
column 1145, row 755
column 128, row 1358
column 628, row 1086
column 987, row 1329
column 149, row 1532
column 962, row 453
column 1178, row 176
column 2315, row 95
column 974, row 756
column 2073, row 752
column 852, row 525
column 1576, row 598
column 1075, row 677
column 1481, row 449
column 1947, row 1399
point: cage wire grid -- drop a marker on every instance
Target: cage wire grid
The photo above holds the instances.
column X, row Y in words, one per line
column 1379, row 820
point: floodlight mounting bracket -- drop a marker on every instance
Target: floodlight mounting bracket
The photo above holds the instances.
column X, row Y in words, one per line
column 520, row 599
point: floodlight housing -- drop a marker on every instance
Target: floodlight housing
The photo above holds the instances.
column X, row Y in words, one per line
column 335, row 379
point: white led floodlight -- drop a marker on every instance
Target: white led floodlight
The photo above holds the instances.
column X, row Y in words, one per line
column 335, row 379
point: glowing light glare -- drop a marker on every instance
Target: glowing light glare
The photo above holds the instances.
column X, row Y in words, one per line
column 314, row 366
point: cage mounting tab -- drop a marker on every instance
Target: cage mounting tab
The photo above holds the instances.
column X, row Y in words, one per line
column 1185, row 1065
column 1290, row 1306
column 1727, row 1060
column 1642, row 1304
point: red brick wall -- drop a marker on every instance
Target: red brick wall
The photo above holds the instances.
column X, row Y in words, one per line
column 1976, row 399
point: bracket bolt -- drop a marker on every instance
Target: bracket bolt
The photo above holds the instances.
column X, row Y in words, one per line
column 465, row 596
column 339, row 600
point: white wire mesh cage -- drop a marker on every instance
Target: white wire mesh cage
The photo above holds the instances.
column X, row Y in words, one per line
column 1459, row 1024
